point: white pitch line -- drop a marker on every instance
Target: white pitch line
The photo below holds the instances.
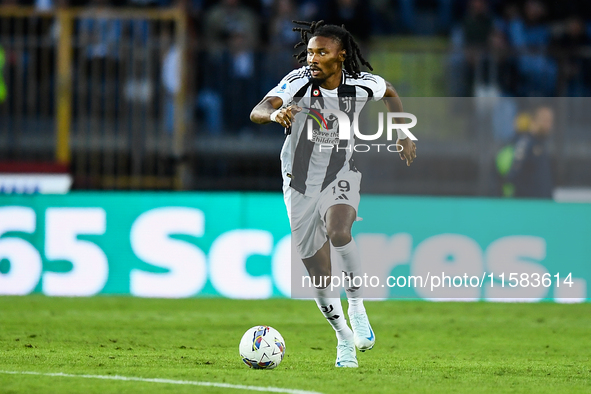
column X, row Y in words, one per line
column 168, row 381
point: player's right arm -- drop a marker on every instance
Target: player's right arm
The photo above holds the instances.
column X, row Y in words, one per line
column 274, row 107
column 269, row 110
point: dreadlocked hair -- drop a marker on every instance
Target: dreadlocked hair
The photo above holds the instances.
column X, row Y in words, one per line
column 353, row 57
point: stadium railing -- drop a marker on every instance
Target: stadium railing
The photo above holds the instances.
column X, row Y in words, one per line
column 84, row 87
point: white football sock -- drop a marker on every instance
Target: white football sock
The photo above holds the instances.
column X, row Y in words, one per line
column 332, row 309
column 351, row 261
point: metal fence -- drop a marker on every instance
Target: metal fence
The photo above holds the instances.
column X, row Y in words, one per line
column 27, row 108
column 87, row 87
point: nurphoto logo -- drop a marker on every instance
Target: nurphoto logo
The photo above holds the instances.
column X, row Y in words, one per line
column 334, row 126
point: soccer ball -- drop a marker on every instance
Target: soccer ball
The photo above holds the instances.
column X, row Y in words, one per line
column 262, row 347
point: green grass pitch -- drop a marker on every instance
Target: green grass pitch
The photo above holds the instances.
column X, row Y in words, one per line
column 421, row 347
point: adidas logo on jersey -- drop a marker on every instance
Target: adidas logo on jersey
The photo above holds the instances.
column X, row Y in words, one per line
column 342, row 197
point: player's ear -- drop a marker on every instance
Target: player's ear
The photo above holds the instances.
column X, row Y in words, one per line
column 342, row 55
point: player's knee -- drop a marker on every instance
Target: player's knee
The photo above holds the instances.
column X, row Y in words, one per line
column 320, row 275
column 321, row 281
column 339, row 236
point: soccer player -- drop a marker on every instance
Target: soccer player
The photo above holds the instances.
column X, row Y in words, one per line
column 321, row 186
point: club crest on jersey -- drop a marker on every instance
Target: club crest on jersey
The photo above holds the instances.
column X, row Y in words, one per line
column 348, row 102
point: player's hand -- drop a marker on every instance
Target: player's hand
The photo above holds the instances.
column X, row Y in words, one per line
column 409, row 150
column 286, row 115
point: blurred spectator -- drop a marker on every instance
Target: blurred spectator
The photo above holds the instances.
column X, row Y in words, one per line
column 114, row 73
column 278, row 58
column 353, row 14
column 44, row 5
column 311, row 10
column 383, row 16
column 171, row 82
column 231, row 32
column 241, row 86
column 139, row 87
column 477, row 28
column 504, row 74
column 507, row 73
column 510, row 13
column 227, row 18
column 471, row 65
column 531, row 37
column 572, row 47
column 409, row 16
column 505, row 156
column 99, row 32
column 281, row 32
column 477, row 25
column 229, row 84
column 531, row 169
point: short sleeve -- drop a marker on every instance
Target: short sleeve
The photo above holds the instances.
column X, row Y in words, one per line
column 379, row 88
column 289, row 86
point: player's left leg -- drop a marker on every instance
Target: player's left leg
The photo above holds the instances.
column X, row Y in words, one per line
column 339, row 220
column 329, row 303
column 309, row 237
column 338, row 207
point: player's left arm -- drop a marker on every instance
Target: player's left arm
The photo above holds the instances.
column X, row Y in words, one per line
column 394, row 104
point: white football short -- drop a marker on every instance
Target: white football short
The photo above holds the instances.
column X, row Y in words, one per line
column 307, row 214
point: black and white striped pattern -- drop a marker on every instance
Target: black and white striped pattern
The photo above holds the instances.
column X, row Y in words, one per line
column 310, row 169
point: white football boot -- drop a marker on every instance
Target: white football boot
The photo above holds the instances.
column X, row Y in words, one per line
column 363, row 334
column 346, row 357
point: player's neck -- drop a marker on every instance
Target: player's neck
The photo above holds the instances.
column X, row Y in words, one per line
column 333, row 82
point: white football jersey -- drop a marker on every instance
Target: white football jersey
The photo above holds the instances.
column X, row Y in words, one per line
column 312, row 167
